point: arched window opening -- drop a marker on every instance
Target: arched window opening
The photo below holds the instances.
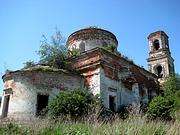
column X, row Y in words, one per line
column 159, row 71
column 156, row 45
column 82, row 47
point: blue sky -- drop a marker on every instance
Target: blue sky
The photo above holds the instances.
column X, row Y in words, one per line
column 22, row 23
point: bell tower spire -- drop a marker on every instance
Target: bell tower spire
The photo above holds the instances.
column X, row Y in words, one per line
column 160, row 61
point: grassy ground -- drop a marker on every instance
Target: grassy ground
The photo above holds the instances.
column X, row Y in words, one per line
column 130, row 126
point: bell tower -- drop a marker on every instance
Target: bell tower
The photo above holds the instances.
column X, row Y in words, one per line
column 160, row 61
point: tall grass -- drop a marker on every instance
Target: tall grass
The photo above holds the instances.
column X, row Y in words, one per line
column 134, row 125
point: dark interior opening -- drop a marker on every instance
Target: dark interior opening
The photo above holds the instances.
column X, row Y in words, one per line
column 82, row 47
column 112, row 103
column 5, row 106
column 159, row 71
column 42, row 102
column 156, row 45
column 6, row 101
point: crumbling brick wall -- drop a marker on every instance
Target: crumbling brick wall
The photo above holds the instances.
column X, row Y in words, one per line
column 26, row 85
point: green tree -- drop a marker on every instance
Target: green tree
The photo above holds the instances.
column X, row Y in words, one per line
column 168, row 104
column 160, row 107
column 170, row 86
column 177, row 81
column 53, row 52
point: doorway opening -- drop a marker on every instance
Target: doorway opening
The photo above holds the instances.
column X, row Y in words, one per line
column 112, row 104
column 42, row 102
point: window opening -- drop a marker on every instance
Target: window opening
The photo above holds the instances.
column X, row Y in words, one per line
column 82, row 47
column 156, row 45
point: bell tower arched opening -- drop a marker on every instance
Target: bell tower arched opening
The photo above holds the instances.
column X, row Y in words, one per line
column 159, row 71
column 156, row 45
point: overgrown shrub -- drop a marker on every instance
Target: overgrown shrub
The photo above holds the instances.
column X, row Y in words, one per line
column 170, row 86
column 175, row 114
column 177, row 100
column 167, row 105
column 160, row 107
column 74, row 103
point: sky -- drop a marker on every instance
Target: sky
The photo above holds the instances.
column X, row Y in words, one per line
column 22, row 23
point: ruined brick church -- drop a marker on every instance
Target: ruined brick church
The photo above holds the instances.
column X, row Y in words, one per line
column 117, row 80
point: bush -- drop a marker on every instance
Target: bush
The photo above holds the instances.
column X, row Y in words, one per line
column 166, row 106
column 160, row 107
column 74, row 103
column 177, row 100
column 170, row 86
column 176, row 111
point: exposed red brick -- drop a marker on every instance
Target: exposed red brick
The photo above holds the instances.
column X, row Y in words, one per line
column 142, row 79
column 85, row 59
column 112, row 65
column 91, row 33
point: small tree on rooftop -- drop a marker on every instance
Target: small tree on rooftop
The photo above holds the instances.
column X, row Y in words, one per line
column 29, row 63
column 53, row 52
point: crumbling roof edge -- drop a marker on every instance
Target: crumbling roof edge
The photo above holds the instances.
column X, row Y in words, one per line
column 131, row 63
column 102, row 49
column 40, row 69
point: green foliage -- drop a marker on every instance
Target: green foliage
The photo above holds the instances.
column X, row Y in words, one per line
column 169, row 86
column 53, row 52
column 29, row 63
column 130, row 126
column 176, row 98
column 171, row 90
column 74, row 52
column 74, row 103
column 14, row 129
column 167, row 105
column 160, row 107
column 177, row 81
column 111, row 48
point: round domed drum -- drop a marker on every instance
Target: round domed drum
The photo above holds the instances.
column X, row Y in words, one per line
column 90, row 38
